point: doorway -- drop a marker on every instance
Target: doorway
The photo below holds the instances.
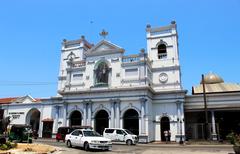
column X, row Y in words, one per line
column 75, row 119
column 101, row 121
column 131, row 121
column 165, row 126
column 47, row 129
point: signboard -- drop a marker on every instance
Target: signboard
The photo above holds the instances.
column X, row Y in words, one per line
column 16, row 115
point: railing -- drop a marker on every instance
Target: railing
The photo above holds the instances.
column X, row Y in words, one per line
column 76, row 64
column 162, row 55
column 131, row 59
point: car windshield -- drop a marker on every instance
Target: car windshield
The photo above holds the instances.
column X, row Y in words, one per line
column 91, row 133
column 128, row 131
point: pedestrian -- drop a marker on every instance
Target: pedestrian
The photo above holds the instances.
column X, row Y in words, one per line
column 169, row 135
column 166, row 135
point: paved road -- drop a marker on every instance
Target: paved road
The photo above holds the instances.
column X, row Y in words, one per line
column 147, row 149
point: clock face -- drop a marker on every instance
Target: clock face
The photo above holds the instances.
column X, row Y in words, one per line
column 163, row 77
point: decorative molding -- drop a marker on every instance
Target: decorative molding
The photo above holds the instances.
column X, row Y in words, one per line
column 77, row 84
column 134, row 80
column 130, row 106
column 165, row 84
column 76, row 69
column 163, row 77
column 162, row 36
column 137, row 63
column 167, row 68
column 114, row 59
column 165, row 114
column 99, row 108
column 90, row 62
column 75, row 108
column 168, row 46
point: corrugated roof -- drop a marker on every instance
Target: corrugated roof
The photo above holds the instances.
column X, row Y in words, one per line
column 216, row 88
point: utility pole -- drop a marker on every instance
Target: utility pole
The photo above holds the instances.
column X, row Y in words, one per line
column 205, row 109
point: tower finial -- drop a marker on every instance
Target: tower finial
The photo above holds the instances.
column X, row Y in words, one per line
column 103, row 34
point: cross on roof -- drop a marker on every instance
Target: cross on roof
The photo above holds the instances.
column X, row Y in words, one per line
column 103, row 34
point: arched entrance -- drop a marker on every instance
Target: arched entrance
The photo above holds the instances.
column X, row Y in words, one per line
column 75, row 119
column 33, row 119
column 165, row 126
column 101, row 121
column 131, row 121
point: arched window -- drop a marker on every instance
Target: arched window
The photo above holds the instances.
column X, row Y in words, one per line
column 162, row 51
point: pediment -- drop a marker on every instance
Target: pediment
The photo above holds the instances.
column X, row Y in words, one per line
column 104, row 47
column 25, row 99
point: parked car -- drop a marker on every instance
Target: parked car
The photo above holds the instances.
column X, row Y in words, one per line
column 120, row 135
column 21, row 133
column 63, row 131
column 88, row 139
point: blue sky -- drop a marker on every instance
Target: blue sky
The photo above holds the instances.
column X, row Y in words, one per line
column 31, row 33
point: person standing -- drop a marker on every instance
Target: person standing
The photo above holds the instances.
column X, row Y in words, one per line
column 166, row 136
column 169, row 135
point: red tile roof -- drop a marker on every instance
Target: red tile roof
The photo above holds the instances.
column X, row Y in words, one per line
column 7, row 100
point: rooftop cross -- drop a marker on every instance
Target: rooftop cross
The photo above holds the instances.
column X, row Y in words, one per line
column 103, row 34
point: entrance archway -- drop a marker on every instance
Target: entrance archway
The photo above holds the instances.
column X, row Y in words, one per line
column 101, row 121
column 165, row 126
column 75, row 119
column 131, row 121
column 33, row 119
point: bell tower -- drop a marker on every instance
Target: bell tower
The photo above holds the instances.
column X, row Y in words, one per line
column 162, row 48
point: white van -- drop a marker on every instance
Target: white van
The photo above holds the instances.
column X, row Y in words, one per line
column 120, row 135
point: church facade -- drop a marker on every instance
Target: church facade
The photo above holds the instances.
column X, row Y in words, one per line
column 100, row 86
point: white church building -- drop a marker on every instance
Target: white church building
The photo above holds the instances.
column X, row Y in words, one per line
column 100, row 86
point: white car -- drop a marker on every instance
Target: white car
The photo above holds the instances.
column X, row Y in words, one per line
column 88, row 139
column 120, row 135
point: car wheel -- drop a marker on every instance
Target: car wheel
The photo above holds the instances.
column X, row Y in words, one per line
column 86, row 146
column 129, row 142
column 69, row 144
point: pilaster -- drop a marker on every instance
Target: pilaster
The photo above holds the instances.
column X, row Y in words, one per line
column 89, row 119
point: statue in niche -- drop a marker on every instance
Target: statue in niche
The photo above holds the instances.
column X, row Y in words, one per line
column 102, row 73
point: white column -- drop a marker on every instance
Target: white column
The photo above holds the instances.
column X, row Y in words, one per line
column 85, row 113
column 182, row 117
column 56, row 119
column 214, row 134
column 117, row 114
column 143, row 100
column 64, row 114
column 178, row 116
column 121, row 122
column 89, row 113
column 40, row 123
column 112, row 114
